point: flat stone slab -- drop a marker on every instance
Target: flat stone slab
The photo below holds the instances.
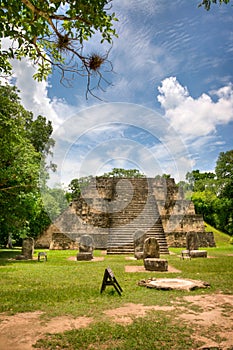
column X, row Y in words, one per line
column 173, row 283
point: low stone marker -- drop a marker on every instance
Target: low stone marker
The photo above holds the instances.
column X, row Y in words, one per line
column 86, row 247
column 198, row 253
column 151, row 256
column 185, row 254
column 42, row 254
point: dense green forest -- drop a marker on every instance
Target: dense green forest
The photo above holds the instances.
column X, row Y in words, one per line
column 24, row 143
column 212, row 193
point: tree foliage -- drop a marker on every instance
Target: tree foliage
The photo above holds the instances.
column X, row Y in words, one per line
column 54, row 202
column 208, row 3
column 54, row 33
column 20, row 162
column 199, row 181
column 120, row 172
column 77, row 185
column 213, row 192
column 163, row 176
column 224, row 173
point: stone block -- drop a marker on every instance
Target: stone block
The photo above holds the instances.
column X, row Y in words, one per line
column 198, row 253
column 153, row 264
column 84, row 256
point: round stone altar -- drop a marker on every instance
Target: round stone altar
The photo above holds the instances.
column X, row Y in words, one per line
column 173, row 283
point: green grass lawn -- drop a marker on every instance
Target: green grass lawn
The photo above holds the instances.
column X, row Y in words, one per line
column 67, row 287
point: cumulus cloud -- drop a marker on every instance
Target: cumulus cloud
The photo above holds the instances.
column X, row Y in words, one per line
column 195, row 117
column 34, row 95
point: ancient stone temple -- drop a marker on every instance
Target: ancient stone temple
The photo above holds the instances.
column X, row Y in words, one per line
column 113, row 211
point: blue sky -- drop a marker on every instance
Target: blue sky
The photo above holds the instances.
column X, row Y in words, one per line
column 170, row 106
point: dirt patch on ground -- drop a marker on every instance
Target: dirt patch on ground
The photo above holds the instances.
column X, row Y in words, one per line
column 214, row 315
column 21, row 331
column 128, row 312
column 209, row 315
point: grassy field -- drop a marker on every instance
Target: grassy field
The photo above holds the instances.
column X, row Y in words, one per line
column 62, row 286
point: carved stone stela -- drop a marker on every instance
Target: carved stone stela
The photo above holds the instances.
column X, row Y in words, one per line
column 86, row 247
column 151, row 256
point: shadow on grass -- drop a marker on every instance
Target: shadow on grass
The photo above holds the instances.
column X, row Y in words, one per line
column 6, row 254
column 7, row 257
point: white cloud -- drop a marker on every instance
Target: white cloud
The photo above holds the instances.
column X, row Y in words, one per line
column 172, row 93
column 104, row 135
column 195, row 117
column 34, row 95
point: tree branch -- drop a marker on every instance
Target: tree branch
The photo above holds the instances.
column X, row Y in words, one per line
column 34, row 9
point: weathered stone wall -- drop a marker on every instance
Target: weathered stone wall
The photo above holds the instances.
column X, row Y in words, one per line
column 68, row 221
column 61, row 241
column 44, row 240
column 91, row 211
column 206, row 239
column 183, row 223
column 178, row 239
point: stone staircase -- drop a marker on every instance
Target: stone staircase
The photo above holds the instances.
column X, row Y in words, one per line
column 138, row 211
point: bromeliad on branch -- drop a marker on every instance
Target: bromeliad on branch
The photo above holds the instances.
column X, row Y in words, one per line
column 54, row 34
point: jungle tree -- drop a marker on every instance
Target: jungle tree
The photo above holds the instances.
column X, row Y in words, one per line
column 22, row 153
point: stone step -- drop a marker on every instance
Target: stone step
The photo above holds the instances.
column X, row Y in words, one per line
column 119, row 247
column 139, row 214
column 123, row 250
column 130, row 231
column 119, row 252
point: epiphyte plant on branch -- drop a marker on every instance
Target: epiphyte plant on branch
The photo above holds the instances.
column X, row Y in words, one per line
column 54, row 34
column 208, row 3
